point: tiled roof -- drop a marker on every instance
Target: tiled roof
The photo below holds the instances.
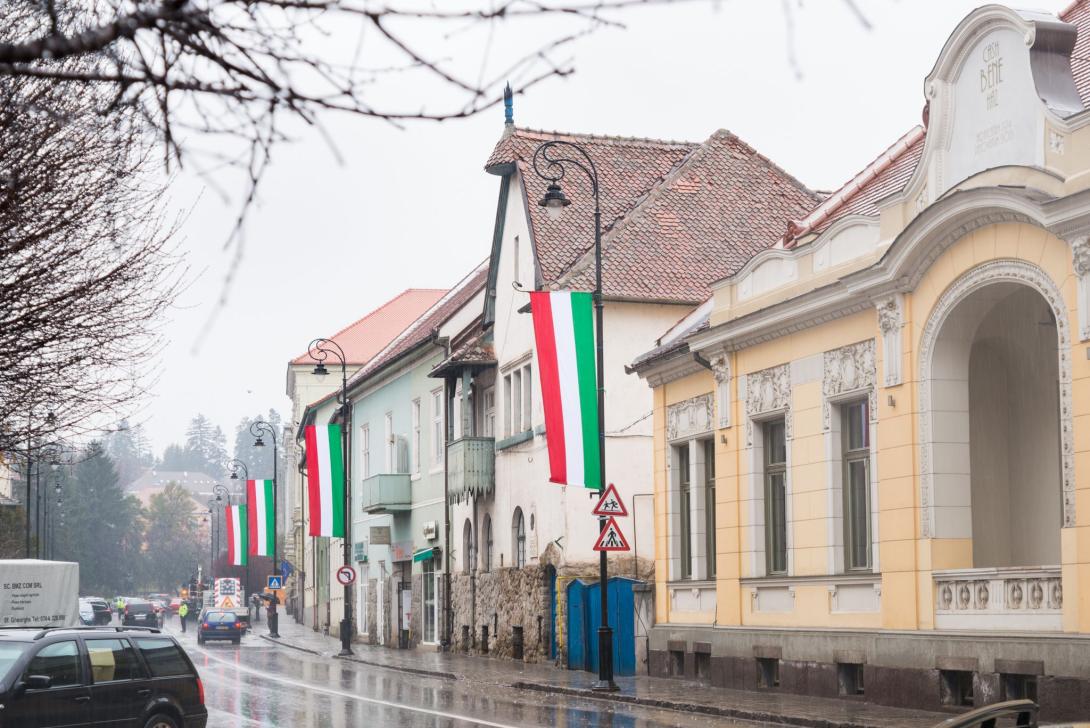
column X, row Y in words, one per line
column 365, row 338
column 475, row 351
column 427, row 324
column 1078, row 14
column 675, row 215
column 722, row 206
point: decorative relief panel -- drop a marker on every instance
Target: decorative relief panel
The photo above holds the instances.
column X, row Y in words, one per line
column 998, row 597
column 768, row 391
column 995, row 271
column 1080, row 259
column 721, row 370
column 891, row 320
column 846, row 370
column 688, row 418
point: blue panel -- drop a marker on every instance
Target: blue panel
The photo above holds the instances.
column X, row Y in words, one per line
column 552, row 614
column 577, row 626
column 585, row 617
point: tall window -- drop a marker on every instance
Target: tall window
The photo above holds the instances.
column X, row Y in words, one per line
column 517, row 401
column 709, row 504
column 856, row 443
column 518, row 538
column 415, row 456
column 684, row 485
column 437, row 427
column 391, row 443
column 488, row 425
column 469, row 548
column 775, row 456
column 365, row 442
column 487, row 542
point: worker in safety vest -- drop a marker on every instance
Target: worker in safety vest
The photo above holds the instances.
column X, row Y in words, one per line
column 183, row 612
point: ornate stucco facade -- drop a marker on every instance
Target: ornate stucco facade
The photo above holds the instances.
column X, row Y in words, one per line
column 891, row 409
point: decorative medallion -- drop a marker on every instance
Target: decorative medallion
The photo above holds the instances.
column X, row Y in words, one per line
column 846, row 370
column 768, row 391
column 690, row 417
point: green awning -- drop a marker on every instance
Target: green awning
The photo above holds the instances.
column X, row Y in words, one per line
column 425, row 554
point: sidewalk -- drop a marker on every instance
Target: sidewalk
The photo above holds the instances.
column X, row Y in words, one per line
column 762, row 707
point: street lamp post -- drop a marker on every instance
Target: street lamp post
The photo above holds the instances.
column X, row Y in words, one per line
column 220, row 492
column 234, row 466
column 551, row 161
column 319, row 350
column 257, row 429
column 211, row 538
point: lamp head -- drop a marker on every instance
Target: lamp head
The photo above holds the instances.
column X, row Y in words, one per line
column 320, row 369
column 259, row 442
column 234, row 475
column 554, row 200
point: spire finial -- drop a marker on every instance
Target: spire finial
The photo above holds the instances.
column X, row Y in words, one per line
column 508, row 106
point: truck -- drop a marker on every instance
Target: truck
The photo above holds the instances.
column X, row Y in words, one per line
column 228, row 594
column 38, row 593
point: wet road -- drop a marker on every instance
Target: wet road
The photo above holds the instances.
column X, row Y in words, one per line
column 259, row 684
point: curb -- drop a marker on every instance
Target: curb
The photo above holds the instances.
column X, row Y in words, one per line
column 397, row 668
column 282, row 643
column 765, row 718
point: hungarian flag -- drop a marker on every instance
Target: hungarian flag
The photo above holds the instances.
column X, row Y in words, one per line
column 262, row 519
column 564, row 333
column 237, row 528
column 325, row 480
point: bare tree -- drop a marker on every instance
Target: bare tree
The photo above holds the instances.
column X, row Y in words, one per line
column 86, row 268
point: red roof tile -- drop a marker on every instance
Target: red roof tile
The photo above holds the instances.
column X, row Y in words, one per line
column 363, row 339
column 1078, row 14
column 676, row 216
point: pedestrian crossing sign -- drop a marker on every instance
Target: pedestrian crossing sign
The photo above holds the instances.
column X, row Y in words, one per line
column 611, row 538
column 276, row 582
column 610, row 504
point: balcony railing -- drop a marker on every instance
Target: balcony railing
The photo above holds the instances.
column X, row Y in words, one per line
column 1021, row 599
column 386, row 492
column 471, row 467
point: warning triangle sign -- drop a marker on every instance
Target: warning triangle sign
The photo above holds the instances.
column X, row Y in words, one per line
column 611, row 538
column 610, row 504
column 227, row 603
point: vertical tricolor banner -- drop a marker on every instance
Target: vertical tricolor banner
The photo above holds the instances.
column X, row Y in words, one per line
column 325, row 480
column 236, row 535
column 564, row 333
column 262, row 520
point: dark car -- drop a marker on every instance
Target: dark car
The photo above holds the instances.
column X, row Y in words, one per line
column 220, row 624
column 97, row 676
column 139, row 613
column 101, row 609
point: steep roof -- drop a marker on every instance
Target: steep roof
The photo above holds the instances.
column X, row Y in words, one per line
column 675, row 215
column 1078, row 14
column 366, row 337
column 427, row 324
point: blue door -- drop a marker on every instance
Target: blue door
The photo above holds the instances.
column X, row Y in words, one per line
column 550, row 575
column 585, row 617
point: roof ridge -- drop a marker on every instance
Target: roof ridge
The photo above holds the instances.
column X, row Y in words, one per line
column 605, row 137
column 799, row 184
column 854, row 186
column 373, row 312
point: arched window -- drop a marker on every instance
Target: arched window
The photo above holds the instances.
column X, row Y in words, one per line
column 487, row 542
column 469, row 548
column 518, row 538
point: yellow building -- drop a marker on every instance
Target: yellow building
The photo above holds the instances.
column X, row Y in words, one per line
column 872, row 444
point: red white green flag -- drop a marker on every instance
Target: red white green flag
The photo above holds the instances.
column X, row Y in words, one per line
column 564, row 333
column 325, row 480
column 262, row 520
column 236, row 535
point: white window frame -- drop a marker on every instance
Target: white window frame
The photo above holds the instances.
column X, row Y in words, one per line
column 518, row 400
column 488, row 426
column 437, row 426
column 414, row 456
column 365, row 445
column 391, row 443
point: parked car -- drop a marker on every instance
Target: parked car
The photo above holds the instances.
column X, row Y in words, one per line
column 220, row 624
column 139, row 612
column 86, row 612
column 101, row 609
column 97, row 676
column 175, row 602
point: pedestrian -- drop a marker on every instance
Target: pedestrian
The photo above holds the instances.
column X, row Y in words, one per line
column 183, row 612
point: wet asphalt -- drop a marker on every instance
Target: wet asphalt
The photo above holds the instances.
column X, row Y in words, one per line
column 261, row 684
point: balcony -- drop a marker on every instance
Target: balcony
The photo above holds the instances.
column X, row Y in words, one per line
column 471, row 467
column 1011, row 599
column 386, row 493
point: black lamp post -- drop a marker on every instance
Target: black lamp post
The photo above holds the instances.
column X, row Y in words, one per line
column 221, row 494
column 210, row 519
column 234, row 466
column 551, row 161
column 319, row 350
column 257, row 429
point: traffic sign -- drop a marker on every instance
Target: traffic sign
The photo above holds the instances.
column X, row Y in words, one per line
column 226, row 604
column 611, row 538
column 610, row 504
column 276, row 582
column 346, row 575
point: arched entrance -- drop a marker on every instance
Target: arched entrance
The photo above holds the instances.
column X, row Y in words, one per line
column 995, row 443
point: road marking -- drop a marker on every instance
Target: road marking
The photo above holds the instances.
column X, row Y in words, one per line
column 353, row 696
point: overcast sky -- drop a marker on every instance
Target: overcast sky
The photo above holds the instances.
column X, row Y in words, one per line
column 332, row 240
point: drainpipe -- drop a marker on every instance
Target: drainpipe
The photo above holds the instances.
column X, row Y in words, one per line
column 448, row 604
column 473, row 583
